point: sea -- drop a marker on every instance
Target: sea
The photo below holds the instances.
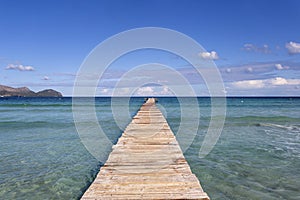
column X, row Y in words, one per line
column 257, row 155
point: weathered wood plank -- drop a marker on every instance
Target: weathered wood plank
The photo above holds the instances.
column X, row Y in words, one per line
column 146, row 163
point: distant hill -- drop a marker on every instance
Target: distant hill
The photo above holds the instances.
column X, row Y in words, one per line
column 6, row 91
column 49, row 93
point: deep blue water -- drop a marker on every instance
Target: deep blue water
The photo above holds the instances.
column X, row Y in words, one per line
column 256, row 157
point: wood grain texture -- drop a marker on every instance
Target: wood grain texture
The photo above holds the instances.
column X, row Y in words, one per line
column 146, row 163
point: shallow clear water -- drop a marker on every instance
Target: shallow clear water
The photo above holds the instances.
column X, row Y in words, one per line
column 258, row 153
column 256, row 157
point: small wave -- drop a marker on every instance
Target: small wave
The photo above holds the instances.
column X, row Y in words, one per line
column 265, row 118
column 290, row 127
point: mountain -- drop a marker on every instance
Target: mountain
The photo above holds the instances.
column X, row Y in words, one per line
column 6, row 91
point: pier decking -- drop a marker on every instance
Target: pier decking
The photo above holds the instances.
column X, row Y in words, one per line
column 146, row 163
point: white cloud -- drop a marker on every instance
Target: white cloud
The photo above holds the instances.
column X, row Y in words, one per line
column 293, row 47
column 144, row 91
column 46, row 78
column 165, row 91
column 153, row 91
column 266, row 83
column 253, row 48
column 281, row 81
column 281, row 67
column 209, row 55
column 228, row 70
column 104, row 91
column 249, row 84
column 19, row 67
column 249, row 70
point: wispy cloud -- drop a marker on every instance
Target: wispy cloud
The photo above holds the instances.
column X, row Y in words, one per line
column 266, row 83
column 150, row 90
column 293, row 47
column 19, row 67
column 251, row 71
column 260, row 49
column 209, row 55
column 259, row 70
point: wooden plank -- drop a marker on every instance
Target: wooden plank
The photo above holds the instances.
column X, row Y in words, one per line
column 146, row 163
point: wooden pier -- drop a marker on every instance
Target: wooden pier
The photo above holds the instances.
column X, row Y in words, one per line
column 146, row 163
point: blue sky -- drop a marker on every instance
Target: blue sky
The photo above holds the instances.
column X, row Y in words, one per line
column 254, row 43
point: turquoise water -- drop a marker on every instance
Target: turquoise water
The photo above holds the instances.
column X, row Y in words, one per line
column 256, row 157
